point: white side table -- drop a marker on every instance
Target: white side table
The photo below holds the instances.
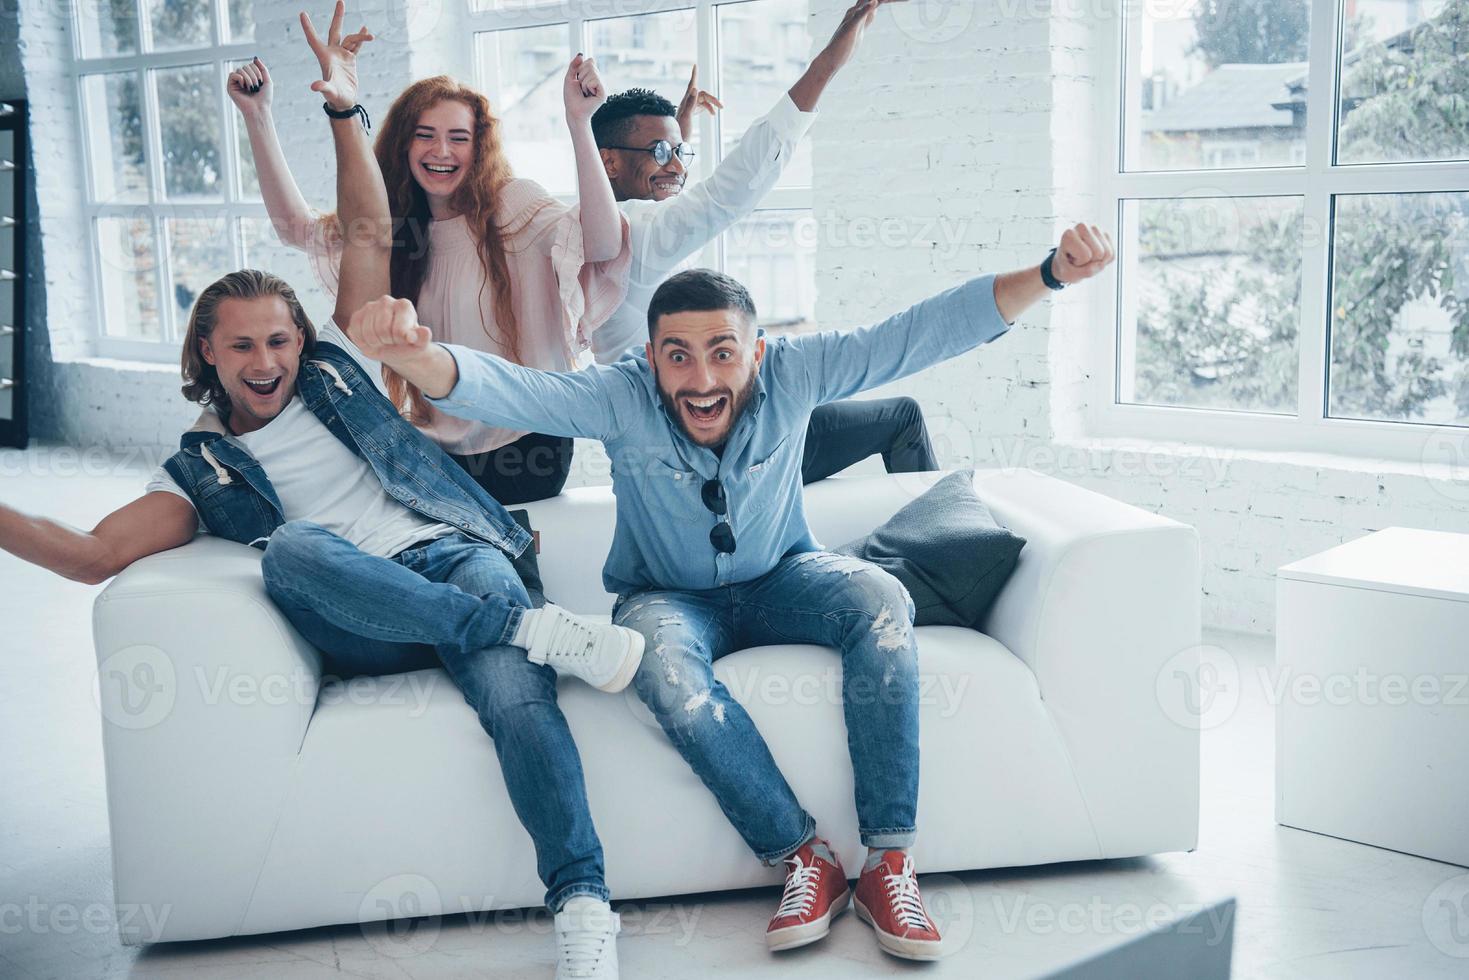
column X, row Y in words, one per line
column 1372, row 725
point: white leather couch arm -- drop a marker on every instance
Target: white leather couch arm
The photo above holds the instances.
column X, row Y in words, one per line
column 206, row 693
column 1104, row 609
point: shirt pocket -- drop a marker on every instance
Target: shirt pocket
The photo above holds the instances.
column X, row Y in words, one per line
column 676, row 492
column 769, row 462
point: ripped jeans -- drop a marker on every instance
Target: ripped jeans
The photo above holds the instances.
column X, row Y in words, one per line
column 817, row 597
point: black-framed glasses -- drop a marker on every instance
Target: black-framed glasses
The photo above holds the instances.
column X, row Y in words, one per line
column 722, row 537
column 663, row 151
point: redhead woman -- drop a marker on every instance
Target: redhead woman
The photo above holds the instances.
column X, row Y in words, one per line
column 490, row 260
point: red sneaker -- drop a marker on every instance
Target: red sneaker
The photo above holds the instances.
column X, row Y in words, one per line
column 889, row 901
column 816, row 892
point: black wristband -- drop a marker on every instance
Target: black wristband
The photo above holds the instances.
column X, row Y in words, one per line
column 1047, row 276
column 356, row 110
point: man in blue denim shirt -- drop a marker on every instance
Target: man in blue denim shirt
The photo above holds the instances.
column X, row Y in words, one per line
column 712, row 553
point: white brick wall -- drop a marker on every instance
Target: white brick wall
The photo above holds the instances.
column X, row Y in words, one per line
column 963, row 139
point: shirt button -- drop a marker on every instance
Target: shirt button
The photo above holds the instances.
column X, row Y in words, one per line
column 678, row 476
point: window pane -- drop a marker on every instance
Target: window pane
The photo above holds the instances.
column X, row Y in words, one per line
column 763, row 48
column 521, row 71
column 653, row 51
column 1405, row 82
column 1400, row 308
column 1211, row 291
column 773, row 253
column 263, row 249
column 108, row 27
column 198, row 253
column 244, row 158
column 241, row 20
column 126, row 259
column 1216, row 84
column 188, row 116
column 114, row 117
column 178, row 23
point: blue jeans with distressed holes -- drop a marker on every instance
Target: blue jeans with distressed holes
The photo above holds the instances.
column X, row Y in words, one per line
column 816, row 597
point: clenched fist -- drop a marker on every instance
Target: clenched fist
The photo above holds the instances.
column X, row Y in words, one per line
column 1084, row 251
column 582, row 89
column 388, row 330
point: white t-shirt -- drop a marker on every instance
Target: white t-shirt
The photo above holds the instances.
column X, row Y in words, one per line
column 318, row 479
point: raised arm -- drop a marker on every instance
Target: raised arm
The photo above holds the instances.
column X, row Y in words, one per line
column 682, row 225
column 362, row 200
column 154, row 522
column 694, row 100
column 601, row 222
column 838, row 365
column 250, row 88
column 474, row 385
column 838, row 51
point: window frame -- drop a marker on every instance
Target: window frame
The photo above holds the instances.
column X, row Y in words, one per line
column 232, row 206
column 578, row 15
column 1318, row 181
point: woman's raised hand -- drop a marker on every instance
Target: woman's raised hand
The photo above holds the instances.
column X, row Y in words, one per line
column 249, row 88
column 583, row 90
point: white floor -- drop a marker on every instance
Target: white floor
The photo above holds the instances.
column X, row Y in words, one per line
column 1309, row 906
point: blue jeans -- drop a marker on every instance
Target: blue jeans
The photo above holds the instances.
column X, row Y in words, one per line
column 820, row 598
column 454, row 601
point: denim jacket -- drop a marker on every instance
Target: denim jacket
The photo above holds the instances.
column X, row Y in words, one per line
column 235, row 499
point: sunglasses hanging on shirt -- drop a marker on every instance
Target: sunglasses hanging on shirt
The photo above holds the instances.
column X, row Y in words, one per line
column 722, row 537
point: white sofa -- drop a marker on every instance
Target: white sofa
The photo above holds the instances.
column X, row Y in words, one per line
column 247, row 796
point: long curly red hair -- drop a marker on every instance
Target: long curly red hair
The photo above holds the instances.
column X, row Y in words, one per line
column 475, row 198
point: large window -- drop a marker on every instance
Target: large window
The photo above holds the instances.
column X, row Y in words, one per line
column 748, row 53
column 172, row 201
column 1291, row 180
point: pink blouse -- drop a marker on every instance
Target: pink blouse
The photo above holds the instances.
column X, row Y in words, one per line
column 558, row 297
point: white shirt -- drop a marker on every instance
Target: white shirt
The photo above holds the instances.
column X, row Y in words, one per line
column 667, row 233
column 319, row 479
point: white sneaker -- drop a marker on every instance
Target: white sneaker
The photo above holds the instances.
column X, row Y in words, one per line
column 603, row 655
column 586, row 940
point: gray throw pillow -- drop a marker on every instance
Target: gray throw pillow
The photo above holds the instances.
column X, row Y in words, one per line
column 948, row 550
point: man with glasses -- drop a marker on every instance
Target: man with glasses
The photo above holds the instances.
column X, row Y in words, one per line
column 641, row 137
column 712, row 553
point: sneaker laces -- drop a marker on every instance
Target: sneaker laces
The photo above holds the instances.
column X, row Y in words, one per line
column 800, row 891
column 905, row 899
column 570, row 638
column 584, row 945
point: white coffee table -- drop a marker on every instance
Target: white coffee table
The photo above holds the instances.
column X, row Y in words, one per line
column 1372, row 725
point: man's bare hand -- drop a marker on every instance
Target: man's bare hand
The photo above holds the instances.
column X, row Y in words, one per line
column 1085, row 250
column 848, row 35
column 337, row 57
column 388, row 330
column 694, row 100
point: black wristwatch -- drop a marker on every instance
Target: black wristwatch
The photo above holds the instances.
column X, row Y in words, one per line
column 1047, row 276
